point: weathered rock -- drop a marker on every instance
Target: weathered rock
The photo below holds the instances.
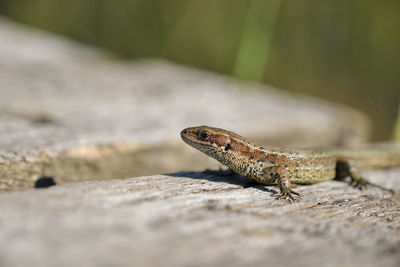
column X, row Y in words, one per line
column 71, row 112
column 193, row 219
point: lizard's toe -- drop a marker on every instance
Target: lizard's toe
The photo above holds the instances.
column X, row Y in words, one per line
column 281, row 195
column 287, row 194
column 359, row 183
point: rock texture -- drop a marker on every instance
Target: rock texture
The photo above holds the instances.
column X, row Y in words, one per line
column 74, row 113
column 193, row 219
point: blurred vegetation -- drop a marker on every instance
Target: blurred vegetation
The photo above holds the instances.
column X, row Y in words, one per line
column 345, row 51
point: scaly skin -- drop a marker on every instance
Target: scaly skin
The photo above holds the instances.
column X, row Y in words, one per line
column 269, row 165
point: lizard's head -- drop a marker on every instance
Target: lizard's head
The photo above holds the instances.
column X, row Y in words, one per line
column 207, row 139
column 214, row 141
column 227, row 147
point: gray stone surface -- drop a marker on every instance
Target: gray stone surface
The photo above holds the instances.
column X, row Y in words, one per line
column 193, row 219
column 73, row 112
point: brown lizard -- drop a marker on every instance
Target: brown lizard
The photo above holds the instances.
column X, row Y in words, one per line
column 272, row 165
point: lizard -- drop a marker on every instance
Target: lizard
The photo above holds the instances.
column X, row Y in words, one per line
column 284, row 167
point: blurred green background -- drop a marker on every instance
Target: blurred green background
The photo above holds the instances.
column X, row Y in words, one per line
column 341, row 50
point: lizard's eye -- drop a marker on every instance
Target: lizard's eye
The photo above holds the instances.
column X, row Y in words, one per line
column 204, row 135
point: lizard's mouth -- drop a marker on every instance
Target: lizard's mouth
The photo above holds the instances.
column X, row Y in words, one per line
column 184, row 132
column 189, row 136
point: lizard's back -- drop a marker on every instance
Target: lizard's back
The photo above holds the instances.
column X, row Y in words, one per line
column 302, row 166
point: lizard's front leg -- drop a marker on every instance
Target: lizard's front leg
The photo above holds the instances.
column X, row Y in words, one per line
column 285, row 186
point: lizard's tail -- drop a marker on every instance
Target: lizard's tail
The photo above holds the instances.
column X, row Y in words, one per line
column 374, row 156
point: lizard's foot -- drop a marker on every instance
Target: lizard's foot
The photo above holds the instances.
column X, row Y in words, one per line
column 361, row 183
column 285, row 186
column 286, row 193
column 345, row 169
